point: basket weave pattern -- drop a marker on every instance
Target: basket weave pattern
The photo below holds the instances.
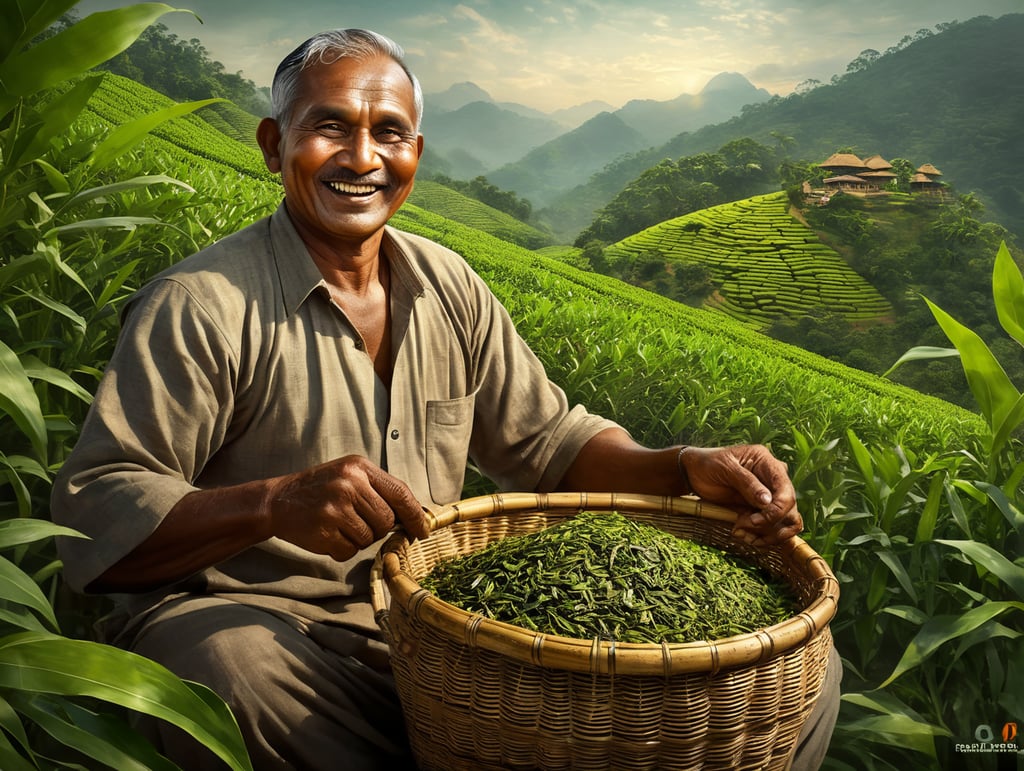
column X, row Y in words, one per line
column 481, row 694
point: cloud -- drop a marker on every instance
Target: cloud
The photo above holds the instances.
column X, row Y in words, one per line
column 556, row 53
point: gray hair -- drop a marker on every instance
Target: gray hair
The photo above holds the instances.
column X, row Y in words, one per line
column 327, row 48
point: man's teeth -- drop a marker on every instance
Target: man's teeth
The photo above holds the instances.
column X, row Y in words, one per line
column 345, row 187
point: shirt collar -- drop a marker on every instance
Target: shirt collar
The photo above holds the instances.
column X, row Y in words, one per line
column 299, row 277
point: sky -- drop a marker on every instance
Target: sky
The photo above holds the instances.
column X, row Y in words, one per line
column 553, row 54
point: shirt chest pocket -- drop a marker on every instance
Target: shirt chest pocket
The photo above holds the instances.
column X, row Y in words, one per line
column 448, row 431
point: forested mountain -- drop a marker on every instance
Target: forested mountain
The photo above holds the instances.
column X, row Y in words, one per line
column 722, row 98
column 486, row 133
column 954, row 99
column 575, row 155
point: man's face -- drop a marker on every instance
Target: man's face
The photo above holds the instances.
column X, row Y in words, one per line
column 349, row 154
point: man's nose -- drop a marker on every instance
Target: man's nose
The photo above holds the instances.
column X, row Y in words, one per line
column 360, row 153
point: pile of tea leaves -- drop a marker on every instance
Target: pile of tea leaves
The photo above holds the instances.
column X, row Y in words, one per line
column 605, row 575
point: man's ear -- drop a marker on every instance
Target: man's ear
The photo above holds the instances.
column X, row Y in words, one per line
column 268, row 136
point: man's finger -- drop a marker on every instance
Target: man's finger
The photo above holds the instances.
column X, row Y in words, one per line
column 397, row 495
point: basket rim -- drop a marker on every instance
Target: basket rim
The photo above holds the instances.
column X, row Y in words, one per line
column 597, row 656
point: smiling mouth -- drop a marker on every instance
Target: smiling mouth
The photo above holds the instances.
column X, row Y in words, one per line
column 349, row 188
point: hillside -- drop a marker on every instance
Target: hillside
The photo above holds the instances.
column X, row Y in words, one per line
column 766, row 263
column 953, row 99
column 452, row 204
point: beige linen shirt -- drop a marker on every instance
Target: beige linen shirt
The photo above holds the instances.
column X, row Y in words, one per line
column 236, row 365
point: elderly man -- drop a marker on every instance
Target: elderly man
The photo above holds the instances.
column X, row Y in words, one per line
column 281, row 400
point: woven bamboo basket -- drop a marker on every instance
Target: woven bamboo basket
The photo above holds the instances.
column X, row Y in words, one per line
column 481, row 694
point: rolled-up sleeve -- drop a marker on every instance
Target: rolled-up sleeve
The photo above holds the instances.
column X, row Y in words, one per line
column 160, row 412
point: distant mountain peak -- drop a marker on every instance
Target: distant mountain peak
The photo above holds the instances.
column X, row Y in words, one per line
column 728, row 81
column 457, row 95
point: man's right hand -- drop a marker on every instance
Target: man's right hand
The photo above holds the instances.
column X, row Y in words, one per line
column 341, row 506
column 336, row 509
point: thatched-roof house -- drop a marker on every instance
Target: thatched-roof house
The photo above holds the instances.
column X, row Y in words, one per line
column 874, row 174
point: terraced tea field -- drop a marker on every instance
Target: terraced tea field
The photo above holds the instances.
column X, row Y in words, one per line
column 768, row 264
column 437, row 198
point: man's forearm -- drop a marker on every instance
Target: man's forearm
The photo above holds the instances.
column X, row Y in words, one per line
column 612, row 462
column 204, row 528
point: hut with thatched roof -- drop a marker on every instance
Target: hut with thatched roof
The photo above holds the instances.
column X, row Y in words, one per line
column 926, row 180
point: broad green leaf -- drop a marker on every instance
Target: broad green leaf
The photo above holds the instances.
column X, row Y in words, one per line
column 115, row 283
column 31, row 661
column 10, row 758
column 102, row 737
column 896, row 567
column 897, row 731
column 941, row 629
column 19, row 400
column 922, row 352
column 1008, row 290
column 57, row 180
column 79, row 48
column 16, row 532
column 127, row 184
column 53, row 120
column 1010, row 511
column 20, row 267
column 37, row 370
column 124, row 223
column 1003, row 432
column 930, row 512
column 20, row 617
column 127, row 135
column 989, row 384
column 57, row 307
column 16, row 587
column 984, row 555
column 22, row 20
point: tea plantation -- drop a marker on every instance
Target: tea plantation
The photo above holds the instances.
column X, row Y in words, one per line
column 767, row 263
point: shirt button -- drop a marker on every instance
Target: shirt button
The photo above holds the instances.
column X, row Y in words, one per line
column 394, row 433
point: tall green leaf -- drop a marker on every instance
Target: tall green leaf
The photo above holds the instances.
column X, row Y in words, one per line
column 1008, row 290
column 101, row 737
column 127, row 135
column 78, row 48
column 941, row 629
column 19, row 400
column 17, row 588
column 991, row 560
column 31, row 661
column 991, row 387
column 22, row 20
